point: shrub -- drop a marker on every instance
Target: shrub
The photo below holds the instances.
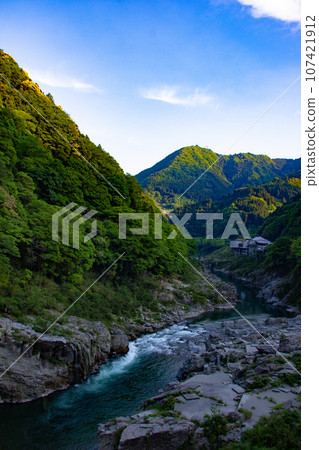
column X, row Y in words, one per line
column 281, row 430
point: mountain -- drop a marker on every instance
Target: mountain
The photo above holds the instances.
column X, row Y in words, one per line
column 170, row 177
column 253, row 203
column 46, row 163
column 284, row 222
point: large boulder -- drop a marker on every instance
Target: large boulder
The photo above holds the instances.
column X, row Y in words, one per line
column 266, row 349
column 194, row 364
column 160, row 433
column 119, row 341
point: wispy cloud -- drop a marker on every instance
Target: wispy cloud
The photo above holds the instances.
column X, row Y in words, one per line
column 286, row 10
column 61, row 81
column 175, row 96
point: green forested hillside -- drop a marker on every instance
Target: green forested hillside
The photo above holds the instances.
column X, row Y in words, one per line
column 169, row 178
column 41, row 173
column 281, row 260
column 253, row 203
column 286, row 221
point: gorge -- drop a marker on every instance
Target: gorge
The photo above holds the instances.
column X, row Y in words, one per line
column 69, row 419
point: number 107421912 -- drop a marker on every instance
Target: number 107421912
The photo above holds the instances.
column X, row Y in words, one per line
column 310, row 41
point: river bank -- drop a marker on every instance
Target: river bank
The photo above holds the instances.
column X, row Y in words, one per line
column 232, row 374
column 273, row 290
column 76, row 348
column 69, row 419
column 269, row 288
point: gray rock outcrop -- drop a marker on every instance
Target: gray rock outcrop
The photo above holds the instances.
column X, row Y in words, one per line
column 145, row 433
column 53, row 362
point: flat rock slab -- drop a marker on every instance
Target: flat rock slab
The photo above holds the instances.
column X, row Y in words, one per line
column 215, row 389
column 190, row 396
column 208, row 384
column 196, row 409
column 192, row 385
column 238, row 389
column 262, row 403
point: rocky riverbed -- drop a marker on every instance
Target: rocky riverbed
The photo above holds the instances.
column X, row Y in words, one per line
column 270, row 289
column 76, row 348
column 233, row 371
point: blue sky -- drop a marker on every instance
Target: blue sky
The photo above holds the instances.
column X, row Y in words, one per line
column 144, row 78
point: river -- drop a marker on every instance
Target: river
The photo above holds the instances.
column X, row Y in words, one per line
column 69, row 419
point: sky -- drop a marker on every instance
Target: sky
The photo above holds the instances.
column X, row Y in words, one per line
column 145, row 78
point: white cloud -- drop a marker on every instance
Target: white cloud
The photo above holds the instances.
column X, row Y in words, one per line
column 61, row 81
column 286, row 10
column 172, row 95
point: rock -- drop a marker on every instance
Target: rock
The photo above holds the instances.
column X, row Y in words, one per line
column 119, row 341
column 262, row 368
column 200, row 440
column 250, row 349
column 289, row 344
column 109, row 434
column 238, row 389
column 54, row 362
column 276, row 321
column 143, row 414
column 190, row 396
column 197, row 347
column 194, row 364
column 293, row 310
column 296, row 390
column 237, row 324
column 266, row 349
column 160, row 433
column 272, row 300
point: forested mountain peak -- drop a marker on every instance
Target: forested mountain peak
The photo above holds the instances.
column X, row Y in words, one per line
column 170, row 177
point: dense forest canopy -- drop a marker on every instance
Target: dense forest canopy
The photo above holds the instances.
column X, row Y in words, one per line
column 253, row 203
column 40, row 174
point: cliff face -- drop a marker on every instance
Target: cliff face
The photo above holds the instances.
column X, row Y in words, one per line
column 76, row 348
column 54, row 362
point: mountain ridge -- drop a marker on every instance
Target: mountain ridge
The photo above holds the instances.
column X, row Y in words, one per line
column 166, row 180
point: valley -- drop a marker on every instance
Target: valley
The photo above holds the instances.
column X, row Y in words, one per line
column 160, row 338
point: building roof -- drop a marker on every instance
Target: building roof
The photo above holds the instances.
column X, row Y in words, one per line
column 261, row 240
column 258, row 240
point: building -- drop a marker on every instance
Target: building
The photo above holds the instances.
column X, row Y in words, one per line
column 250, row 246
column 239, row 247
column 258, row 243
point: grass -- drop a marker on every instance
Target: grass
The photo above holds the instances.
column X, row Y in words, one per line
column 246, row 413
column 215, row 427
column 281, row 430
column 259, row 383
